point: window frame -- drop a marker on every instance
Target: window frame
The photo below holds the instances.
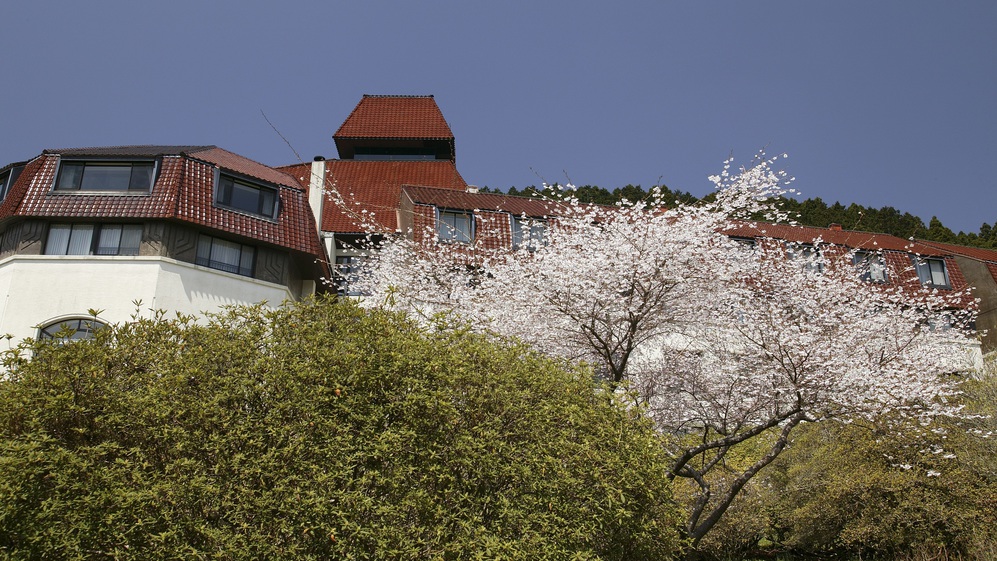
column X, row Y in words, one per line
column 922, row 266
column 223, row 195
column 346, row 274
column 454, row 235
column 810, row 253
column 7, row 180
column 863, row 259
column 78, row 185
column 85, row 325
column 96, row 237
column 532, row 242
column 242, row 269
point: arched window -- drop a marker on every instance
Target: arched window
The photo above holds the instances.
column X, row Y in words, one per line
column 71, row 329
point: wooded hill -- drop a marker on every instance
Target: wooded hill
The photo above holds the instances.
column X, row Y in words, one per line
column 810, row 212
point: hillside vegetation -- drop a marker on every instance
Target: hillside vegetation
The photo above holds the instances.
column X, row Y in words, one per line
column 812, row 212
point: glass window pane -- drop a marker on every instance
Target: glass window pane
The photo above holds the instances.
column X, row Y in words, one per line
column 937, row 272
column 459, row 226
column 268, row 200
column 246, row 262
column 877, row 270
column 131, row 239
column 71, row 330
column 225, row 255
column 80, row 240
column 245, row 198
column 58, row 239
column 347, row 272
column 517, row 231
column 109, row 240
column 70, row 175
column 204, row 251
column 141, row 178
column 106, row 177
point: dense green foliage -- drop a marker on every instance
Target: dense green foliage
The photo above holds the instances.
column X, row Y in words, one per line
column 810, row 212
column 319, row 431
column 889, row 491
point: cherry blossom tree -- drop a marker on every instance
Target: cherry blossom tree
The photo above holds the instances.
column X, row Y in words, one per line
column 727, row 345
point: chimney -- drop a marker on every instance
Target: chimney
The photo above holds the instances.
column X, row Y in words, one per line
column 472, row 188
column 316, row 190
column 835, row 226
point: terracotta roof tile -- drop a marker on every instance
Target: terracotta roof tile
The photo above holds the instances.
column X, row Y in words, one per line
column 977, row 253
column 897, row 252
column 448, row 198
column 408, row 117
column 375, row 186
column 848, row 238
column 242, row 165
column 183, row 191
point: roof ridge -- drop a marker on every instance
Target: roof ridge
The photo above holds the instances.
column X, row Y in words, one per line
column 398, row 95
column 292, row 182
column 151, row 149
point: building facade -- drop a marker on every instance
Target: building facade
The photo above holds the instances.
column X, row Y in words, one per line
column 90, row 236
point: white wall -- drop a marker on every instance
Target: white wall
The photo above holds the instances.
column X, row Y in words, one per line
column 39, row 289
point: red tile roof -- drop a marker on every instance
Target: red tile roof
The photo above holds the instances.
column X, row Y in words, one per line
column 847, row 238
column 977, row 253
column 397, row 117
column 896, row 251
column 448, row 198
column 183, row 191
column 375, row 186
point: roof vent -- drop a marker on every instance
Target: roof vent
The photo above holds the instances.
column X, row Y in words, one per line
column 472, row 188
column 835, row 226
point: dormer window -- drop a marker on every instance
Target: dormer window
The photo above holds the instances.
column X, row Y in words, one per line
column 870, row 266
column 808, row 255
column 114, row 177
column 7, row 179
column 931, row 271
column 455, row 226
column 528, row 233
column 244, row 196
column 745, row 243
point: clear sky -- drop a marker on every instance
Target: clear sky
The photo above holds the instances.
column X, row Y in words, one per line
column 878, row 103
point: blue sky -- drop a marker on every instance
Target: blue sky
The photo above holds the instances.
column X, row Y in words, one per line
column 877, row 103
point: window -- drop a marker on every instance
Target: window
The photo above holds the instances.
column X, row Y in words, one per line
column 941, row 322
column 237, row 194
column 871, row 266
column 225, row 255
column 93, row 239
column 393, row 153
column 75, row 329
column 746, row 243
column 931, row 271
column 455, row 226
column 7, row 179
column 808, row 255
column 347, row 274
column 121, row 177
column 528, row 233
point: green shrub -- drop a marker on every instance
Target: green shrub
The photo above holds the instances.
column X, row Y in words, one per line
column 319, row 431
column 872, row 491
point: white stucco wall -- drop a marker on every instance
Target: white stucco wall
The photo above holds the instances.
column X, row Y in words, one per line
column 39, row 289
